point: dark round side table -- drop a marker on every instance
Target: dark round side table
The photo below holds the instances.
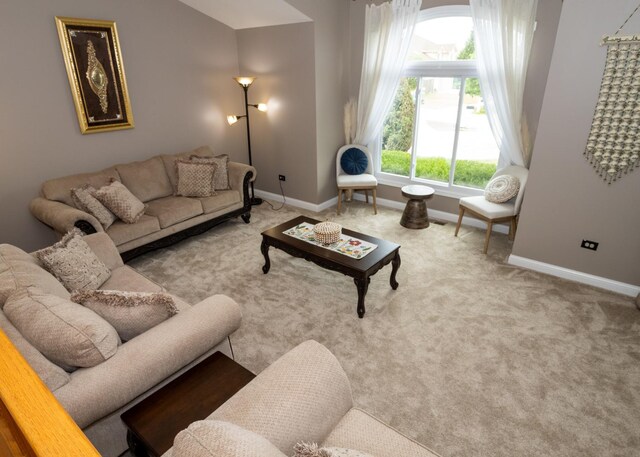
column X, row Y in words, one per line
column 415, row 213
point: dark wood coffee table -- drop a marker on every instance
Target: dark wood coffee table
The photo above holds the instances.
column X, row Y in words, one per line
column 360, row 270
column 154, row 422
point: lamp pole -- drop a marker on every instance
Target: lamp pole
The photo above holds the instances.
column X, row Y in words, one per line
column 254, row 201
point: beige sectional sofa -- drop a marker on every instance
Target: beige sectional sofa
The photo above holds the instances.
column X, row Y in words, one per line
column 96, row 396
column 304, row 396
column 167, row 219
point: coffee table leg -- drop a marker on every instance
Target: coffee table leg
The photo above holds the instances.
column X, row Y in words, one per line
column 395, row 265
column 362, row 284
column 264, row 247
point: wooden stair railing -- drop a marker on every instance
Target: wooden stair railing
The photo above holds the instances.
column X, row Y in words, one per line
column 32, row 422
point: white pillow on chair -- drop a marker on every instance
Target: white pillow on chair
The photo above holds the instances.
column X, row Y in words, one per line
column 502, row 188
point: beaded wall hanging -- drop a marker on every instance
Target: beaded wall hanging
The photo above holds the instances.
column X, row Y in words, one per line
column 613, row 147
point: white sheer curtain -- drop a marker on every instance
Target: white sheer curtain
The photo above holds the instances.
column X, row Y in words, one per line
column 388, row 31
column 503, row 31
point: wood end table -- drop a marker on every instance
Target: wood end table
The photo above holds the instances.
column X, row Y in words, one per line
column 415, row 215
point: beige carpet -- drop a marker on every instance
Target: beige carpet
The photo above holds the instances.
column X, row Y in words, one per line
column 470, row 356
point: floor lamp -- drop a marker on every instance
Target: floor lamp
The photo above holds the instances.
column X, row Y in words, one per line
column 245, row 82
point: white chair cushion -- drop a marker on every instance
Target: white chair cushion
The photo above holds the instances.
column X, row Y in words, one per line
column 488, row 209
column 364, row 180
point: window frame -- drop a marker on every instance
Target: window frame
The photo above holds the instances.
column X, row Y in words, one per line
column 419, row 69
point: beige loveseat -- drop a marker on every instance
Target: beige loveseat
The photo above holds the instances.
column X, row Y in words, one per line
column 304, row 396
column 168, row 218
column 95, row 397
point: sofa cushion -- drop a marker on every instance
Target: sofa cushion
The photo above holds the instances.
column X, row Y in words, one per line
column 51, row 374
column 209, row 438
column 127, row 279
column 121, row 232
column 72, row 261
column 66, row 333
column 171, row 210
column 170, row 164
column 221, row 200
column 130, row 313
column 313, row 450
column 84, row 199
column 121, row 202
column 146, row 180
column 359, row 430
column 59, row 189
column 19, row 269
column 195, row 179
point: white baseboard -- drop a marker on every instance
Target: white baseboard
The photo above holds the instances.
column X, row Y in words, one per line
column 298, row 203
column 573, row 275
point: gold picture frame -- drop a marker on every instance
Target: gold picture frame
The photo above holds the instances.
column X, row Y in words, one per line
column 92, row 57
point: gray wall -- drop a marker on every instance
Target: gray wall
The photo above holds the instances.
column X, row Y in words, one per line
column 547, row 17
column 284, row 138
column 178, row 63
column 565, row 200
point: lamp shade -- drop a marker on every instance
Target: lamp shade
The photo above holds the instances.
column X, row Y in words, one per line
column 244, row 81
column 262, row 107
column 232, row 120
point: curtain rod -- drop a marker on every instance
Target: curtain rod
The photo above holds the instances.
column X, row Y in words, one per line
column 612, row 39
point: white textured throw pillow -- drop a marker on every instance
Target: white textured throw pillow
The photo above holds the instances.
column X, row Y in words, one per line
column 313, row 450
column 502, row 188
column 72, row 261
column 130, row 313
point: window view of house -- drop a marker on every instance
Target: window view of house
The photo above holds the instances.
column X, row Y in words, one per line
column 437, row 129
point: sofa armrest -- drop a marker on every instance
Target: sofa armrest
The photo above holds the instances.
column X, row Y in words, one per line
column 102, row 246
column 237, row 173
column 148, row 359
column 301, row 396
column 61, row 217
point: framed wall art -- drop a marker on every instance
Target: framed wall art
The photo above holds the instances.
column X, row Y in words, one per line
column 91, row 52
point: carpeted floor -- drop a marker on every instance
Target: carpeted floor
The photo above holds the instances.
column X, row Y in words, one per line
column 470, row 356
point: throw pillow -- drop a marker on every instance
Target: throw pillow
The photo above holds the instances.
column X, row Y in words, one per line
column 211, row 438
column 195, row 179
column 64, row 332
column 502, row 188
column 354, row 161
column 221, row 176
column 121, row 202
column 313, row 450
column 130, row 313
column 85, row 200
column 72, row 261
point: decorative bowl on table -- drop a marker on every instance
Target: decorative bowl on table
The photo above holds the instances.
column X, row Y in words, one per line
column 327, row 232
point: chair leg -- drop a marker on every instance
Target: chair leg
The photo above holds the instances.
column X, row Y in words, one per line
column 461, row 213
column 486, row 239
column 375, row 208
column 339, row 200
column 512, row 229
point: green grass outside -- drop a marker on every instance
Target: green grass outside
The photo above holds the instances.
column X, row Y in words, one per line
column 471, row 173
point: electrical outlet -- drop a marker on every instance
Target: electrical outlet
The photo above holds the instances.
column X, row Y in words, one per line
column 588, row 244
column 282, row 177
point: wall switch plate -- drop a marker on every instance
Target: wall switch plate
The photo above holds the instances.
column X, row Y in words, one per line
column 588, row 244
column 282, row 177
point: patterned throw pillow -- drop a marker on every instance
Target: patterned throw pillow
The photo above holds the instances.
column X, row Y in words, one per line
column 313, row 450
column 72, row 261
column 221, row 176
column 64, row 332
column 130, row 313
column 502, row 188
column 85, row 200
column 121, row 202
column 195, row 179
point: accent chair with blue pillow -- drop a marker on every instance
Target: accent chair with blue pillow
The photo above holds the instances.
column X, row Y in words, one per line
column 354, row 171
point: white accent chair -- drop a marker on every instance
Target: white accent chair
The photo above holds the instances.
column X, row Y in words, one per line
column 365, row 181
column 495, row 213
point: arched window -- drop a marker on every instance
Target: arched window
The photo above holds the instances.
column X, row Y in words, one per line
column 437, row 131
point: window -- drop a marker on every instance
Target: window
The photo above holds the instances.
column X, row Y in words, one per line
column 437, row 130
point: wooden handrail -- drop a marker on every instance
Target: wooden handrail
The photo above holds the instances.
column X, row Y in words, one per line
column 32, row 421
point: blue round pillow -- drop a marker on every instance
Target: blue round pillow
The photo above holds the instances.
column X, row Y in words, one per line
column 354, row 161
